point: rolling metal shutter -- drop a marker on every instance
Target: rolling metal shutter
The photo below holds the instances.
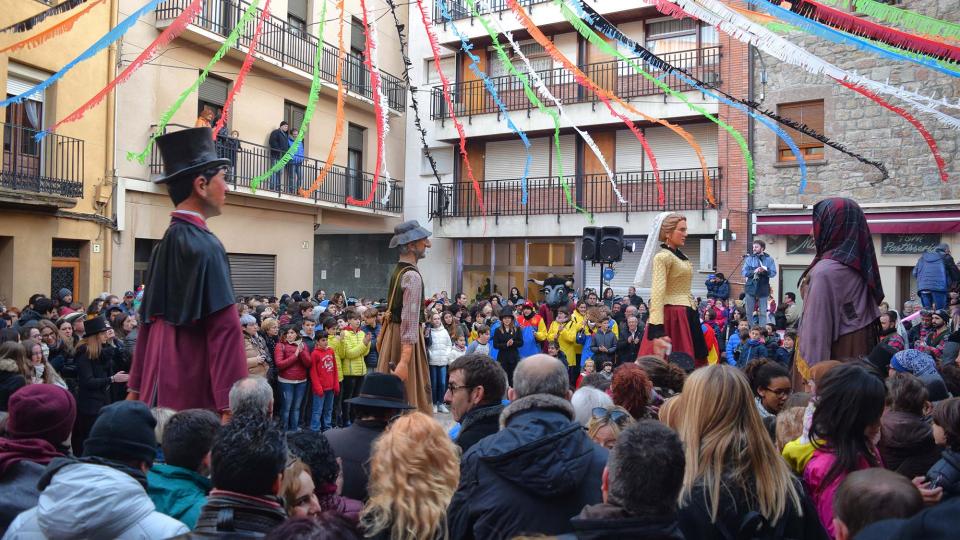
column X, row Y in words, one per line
column 568, row 151
column 214, row 91
column 17, row 86
column 630, row 156
column 672, row 152
column 298, row 8
column 505, row 159
column 253, row 274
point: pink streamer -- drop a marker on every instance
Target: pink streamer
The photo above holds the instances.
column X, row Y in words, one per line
column 244, row 69
column 377, row 112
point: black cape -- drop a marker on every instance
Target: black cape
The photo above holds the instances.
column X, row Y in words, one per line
column 189, row 275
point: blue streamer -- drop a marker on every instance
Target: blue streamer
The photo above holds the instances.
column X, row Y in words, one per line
column 102, row 43
column 624, row 40
column 843, row 38
column 466, row 47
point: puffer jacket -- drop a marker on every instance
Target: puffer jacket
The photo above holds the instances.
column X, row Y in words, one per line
column 177, row 492
column 352, row 350
column 440, row 346
column 906, row 443
column 931, row 272
column 290, row 365
column 87, row 501
column 946, row 473
column 532, row 476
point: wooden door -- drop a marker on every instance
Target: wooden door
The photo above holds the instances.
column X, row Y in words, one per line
column 21, row 152
column 598, row 195
column 65, row 273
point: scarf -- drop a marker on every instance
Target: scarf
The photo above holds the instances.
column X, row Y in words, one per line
column 13, row 451
column 841, row 233
column 914, row 361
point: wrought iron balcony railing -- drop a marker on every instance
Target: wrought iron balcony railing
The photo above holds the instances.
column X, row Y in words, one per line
column 53, row 166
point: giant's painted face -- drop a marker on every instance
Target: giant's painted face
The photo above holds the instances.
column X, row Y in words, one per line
column 555, row 291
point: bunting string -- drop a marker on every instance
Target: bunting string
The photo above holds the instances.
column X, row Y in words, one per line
column 308, row 112
column 445, row 84
column 467, row 47
column 244, row 69
column 532, row 96
column 28, row 24
column 341, row 114
column 167, row 115
column 893, row 15
column 610, row 30
column 60, row 28
column 377, row 109
column 113, row 35
column 177, row 26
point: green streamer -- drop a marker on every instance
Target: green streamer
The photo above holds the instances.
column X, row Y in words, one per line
column 307, row 113
column 592, row 37
column 894, row 15
column 165, row 118
column 532, row 96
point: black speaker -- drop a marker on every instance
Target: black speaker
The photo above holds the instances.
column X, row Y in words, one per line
column 591, row 242
column 611, row 244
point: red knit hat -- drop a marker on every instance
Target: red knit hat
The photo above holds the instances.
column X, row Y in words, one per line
column 41, row 411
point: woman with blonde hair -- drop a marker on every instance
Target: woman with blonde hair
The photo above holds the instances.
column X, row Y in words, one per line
column 735, row 483
column 299, row 499
column 414, row 472
column 606, row 423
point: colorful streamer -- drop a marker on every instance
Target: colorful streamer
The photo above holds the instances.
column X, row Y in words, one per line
column 244, row 69
column 28, row 24
column 340, row 119
column 445, row 84
column 467, row 47
column 384, row 114
column 893, row 15
column 377, row 109
column 177, row 26
column 941, row 166
column 592, row 37
column 844, row 20
column 414, row 104
column 719, row 15
column 831, row 34
column 114, row 34
column 532, row 96
column 168, row 114
column 307, row 113
column 60, row 28
column 754, row 109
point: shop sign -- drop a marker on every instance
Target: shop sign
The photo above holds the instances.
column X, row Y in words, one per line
column 906, row 244
column 801, row 244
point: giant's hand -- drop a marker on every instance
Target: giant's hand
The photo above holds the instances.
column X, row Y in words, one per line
column 403, row 367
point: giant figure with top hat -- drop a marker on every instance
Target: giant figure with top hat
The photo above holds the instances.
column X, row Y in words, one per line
column 403, row 350
column 190, row 348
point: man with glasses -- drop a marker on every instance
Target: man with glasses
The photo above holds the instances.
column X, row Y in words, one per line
column 190, row 349
column 474, row 393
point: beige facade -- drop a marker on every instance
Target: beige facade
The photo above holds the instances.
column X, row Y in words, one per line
column 56, row 196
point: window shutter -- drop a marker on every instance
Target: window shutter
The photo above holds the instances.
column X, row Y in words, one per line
column 253, row 274
column 214, row 91
column 809, row 113
column 357, row 39
column 297, row 8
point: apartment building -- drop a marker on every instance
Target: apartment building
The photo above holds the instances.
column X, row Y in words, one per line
column 514, row 243
column 277, row 240
column 909, row 213
column 56, row 195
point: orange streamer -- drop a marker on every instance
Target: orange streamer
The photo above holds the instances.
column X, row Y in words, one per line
column 606, row 95
column 61, row 27
column 339, row 122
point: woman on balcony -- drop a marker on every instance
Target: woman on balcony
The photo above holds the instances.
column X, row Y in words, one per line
column 673, row 315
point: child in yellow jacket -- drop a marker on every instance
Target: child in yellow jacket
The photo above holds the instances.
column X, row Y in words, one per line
column 354, row 345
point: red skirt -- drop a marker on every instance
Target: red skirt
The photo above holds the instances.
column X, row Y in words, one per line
column 684, row 332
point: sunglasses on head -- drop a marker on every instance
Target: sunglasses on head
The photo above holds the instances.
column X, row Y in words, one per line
column 617, row 417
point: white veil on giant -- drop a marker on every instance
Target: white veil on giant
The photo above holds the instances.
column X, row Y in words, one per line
column 650, row 248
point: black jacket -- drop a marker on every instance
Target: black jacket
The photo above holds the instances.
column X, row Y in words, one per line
column 94, row 380
column 508, row 355
column 609, row 522
column 738, row 518
column 946, row 473
column 906, row 443
column 532, row 476
column 939, row 522
column 626, row 351
column 352, row 445
column 279, row 143
column 477, row 424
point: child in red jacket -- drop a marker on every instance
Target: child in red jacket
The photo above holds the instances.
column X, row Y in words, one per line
column 293, row 361
column 324, row 377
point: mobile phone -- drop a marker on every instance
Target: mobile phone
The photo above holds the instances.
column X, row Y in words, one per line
column 668, row 350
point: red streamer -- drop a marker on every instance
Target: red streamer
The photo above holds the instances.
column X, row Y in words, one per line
column 244, row 69
column 848, row 22
column 377, row 112
column 168, row 35
column 446, row 96
column 941, row 166
column 61, row 27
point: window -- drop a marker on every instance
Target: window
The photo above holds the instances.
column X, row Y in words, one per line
column 212, row 95
column 356, row 75
column 809, row 113
column 297, row 15
column 681, row 40
column 357, row 37
column 355, row 136
column 293, row 114
column 142, row 250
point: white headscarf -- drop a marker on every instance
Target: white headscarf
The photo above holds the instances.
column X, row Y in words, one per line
column 650, row 248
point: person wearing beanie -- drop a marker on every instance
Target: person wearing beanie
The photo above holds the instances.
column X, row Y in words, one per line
column 103, row 494
column 65, row 297
column 39, row 422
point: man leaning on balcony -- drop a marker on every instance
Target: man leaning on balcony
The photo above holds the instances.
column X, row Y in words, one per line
column 279, row 144
column 190, row 348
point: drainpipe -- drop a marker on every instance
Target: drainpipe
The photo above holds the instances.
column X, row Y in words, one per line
column 750, row 139
column 110, row 172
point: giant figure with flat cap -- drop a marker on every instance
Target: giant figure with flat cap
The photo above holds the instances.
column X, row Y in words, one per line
column 401, row 344
column 190, row 348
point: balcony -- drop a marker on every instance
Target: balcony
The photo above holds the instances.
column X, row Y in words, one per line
column 458, row 9
column 289, row 46
column 45, row 173
column 472, row 98
column 250, row 160
column 684, row 190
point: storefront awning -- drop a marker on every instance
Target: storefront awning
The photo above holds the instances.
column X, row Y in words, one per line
column 942, row 221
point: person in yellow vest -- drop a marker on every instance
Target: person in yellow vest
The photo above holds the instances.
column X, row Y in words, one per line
column 563, row 331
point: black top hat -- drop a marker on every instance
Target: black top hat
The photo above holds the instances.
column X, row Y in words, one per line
column 381, row 390
column 507, row 311
column 95, row 326
column 187, row 152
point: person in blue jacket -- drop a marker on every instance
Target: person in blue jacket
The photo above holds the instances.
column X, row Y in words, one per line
column 758, row 268
column 296, row 165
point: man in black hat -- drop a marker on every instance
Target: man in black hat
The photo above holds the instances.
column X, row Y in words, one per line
column 190, row 347
column 401, row 343
column 380, row 401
